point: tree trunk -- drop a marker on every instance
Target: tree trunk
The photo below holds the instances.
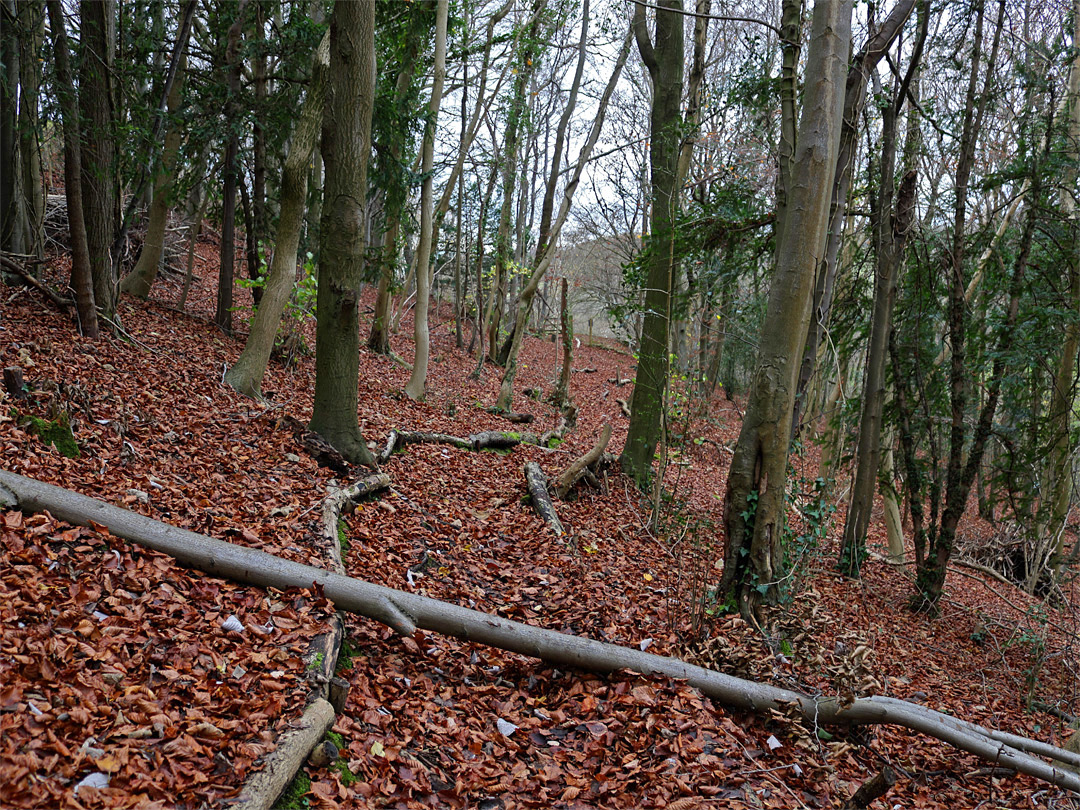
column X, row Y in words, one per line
column 754, row 501
column 99, row 150
column 664, row 60
column 930, row 572
column 346, row 143
column 247, row 374
column 32, row 22
column 408, row 612
column 890, row 221
column 525, row 66
column 544, row 259
column 12, row 210
column 81, row 280
column 233, row 67
column 414, row 389
column 139, row 281
column 854, row 101
column 1057, row 478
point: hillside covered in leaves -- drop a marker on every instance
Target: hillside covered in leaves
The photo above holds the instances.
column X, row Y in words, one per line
column 128, row 681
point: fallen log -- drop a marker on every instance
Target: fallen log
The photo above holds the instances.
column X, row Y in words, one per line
column 263, row 789
column 579, row 466
column 59, row 300
column 512, row 416
column 399, row 438
column 541, row 500
column 623, row 407
column 405, row 612
column 872, row 789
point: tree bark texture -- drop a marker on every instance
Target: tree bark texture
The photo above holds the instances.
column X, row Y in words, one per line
column 101, row 198
column 139, row 281
column 247, row 374
column 346, row 143
column 664, row 60
column 233, row 68
column 81, row 280
column 754, row 502
column 541, row 500
column 408, row 612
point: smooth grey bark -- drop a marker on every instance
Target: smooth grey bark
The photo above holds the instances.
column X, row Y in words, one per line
column 408, row 612
column 664, row 61
column 861, row 68
column 414, row 388
column 754, row 502
column 346, row 143
column 247, row 374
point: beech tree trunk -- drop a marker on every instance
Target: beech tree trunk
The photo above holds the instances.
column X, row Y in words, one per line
column 754, row 502
column 408, row 612
column 414, row 389
column 864, row 63
column 247, row 374
column 346, row 143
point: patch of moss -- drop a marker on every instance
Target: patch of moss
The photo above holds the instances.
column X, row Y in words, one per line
column 554, row 442
column 317, row 662
column 295, row 795
column 342, row 536
column 57, row 433
column 347, row 776
column 336, row 739
column 345, row 656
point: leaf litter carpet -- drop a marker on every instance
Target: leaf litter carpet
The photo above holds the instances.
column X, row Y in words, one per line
column 128, row 681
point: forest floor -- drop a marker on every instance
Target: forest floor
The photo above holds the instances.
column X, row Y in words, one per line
column 122, row 683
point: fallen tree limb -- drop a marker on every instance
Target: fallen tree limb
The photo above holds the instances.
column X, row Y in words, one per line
column 872, row 789
column 541, row 500
column 493, row 439
column 63, row 303
column 264, row 788
column 582, row 463
column 406, row 611
column 623, row 407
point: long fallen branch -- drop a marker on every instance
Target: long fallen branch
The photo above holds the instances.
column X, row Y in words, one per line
column 405, row 612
